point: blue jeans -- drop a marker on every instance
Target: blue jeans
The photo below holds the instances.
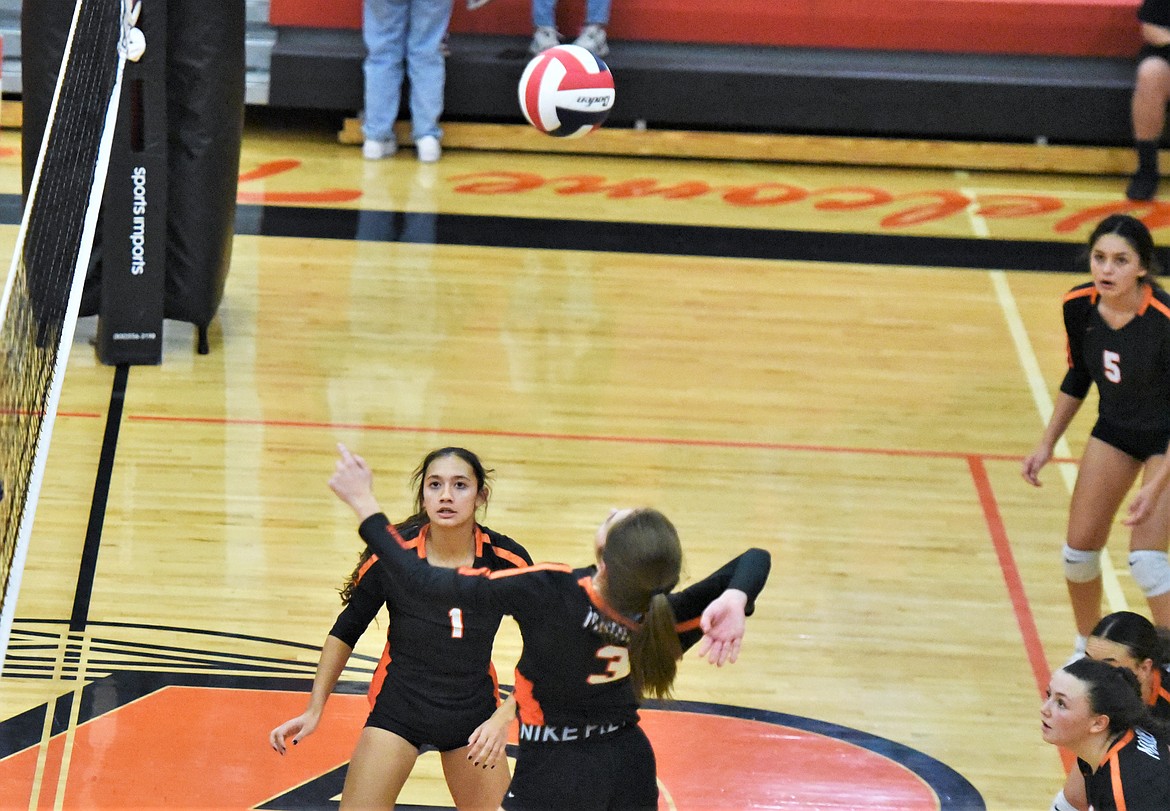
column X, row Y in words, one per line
column 404, row 34
column 544, row 13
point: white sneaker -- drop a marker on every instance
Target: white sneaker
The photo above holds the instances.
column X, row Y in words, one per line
column 428, row 149
column 543, row 39
column 592, row 39
column 376, row 150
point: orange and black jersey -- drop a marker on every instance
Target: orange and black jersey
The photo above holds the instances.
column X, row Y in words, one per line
column 1131, row 365
column 1134, row 775
column 437, row 650
column 573, row 672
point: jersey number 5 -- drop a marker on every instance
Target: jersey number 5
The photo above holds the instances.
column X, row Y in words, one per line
column 618, row 667
column 1112, row 363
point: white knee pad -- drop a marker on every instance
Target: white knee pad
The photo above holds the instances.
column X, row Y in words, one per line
column 1151, row 571
column 1081, row 566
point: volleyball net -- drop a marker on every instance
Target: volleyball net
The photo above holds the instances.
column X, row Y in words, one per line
column 42, row 294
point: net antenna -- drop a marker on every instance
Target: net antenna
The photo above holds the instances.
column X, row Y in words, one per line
column 42, row 295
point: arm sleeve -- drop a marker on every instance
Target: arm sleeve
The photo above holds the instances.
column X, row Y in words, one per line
column 1077, row 380
column 364, row 603
column 747, row 573
column 1156, row 12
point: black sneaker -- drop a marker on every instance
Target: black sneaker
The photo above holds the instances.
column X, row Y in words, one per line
column 1142, row 187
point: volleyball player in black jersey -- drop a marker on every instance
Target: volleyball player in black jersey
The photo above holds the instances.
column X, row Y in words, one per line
column 1129, row 640
column 1123, row 753
column 1118, row 329
column 435, row 686
column 595, row 640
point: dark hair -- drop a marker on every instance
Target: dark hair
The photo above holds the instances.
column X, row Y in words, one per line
column 419, row 517
column 1134, row 232
column 1115, row 692
column 1137, row 635
column 643, row 561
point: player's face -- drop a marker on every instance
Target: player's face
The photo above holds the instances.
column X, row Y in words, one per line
column 450, row 492
column 1116, row 654
column 1066, row 718
column 614, row 516
column 1115, row 266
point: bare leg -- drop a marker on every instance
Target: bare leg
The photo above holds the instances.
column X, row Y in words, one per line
column 379, row 767
column 1154, row 534
column 1105, row 476
column 474, row 788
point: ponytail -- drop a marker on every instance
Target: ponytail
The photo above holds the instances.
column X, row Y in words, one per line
column 655, row 650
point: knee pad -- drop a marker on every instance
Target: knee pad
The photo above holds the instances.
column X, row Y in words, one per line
column 1151, row 571
column 1081, row 566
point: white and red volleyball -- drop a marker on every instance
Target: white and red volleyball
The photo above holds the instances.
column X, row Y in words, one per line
column 566, row 91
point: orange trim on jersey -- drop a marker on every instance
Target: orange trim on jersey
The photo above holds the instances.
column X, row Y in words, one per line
column 605, row 608
column 511, row 557
column 1157, row 689
column 379, row 675
column 1147, row 299
column 1153, row 302
column 365, row 567
column 689, row 625
column 529, row 709
column 1090, row 291
column 1115, row 769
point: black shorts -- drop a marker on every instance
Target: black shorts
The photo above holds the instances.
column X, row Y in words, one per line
column 434, row 729
column 1141, row 445
column 614, row 772
column 1162, row 51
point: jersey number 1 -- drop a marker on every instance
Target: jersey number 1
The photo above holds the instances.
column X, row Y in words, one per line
column 456, row 615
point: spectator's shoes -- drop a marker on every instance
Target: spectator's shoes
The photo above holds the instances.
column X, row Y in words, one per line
column 376, row 150
column 543, row 39
column 428, row 148
column 1142, row 186
column 592, row 39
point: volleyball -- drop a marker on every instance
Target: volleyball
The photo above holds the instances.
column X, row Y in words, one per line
column 566, row 91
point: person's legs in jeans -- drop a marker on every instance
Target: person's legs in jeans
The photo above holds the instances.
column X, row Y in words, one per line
column 384, row 24
column 425, row 64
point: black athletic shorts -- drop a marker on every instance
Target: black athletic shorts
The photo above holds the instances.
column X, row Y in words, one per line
column 614, row 772
column 1141, row 445
column 440, row 730
column 1154, row 50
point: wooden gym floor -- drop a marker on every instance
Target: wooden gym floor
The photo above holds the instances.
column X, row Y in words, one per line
column 842, row 364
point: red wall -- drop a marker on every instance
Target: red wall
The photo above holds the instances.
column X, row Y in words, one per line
column 1047, row 27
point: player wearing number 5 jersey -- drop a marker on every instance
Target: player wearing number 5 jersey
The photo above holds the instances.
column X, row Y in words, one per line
column 435, row 687
column 1118, row 330
column 595, row 639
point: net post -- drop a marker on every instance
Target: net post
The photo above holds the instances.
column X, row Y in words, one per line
column 134, row 208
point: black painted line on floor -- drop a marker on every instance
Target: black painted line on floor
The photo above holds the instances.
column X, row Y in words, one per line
column 97, row 508
column 655, row 238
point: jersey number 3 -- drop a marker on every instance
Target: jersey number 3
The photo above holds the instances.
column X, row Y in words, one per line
column 618, row 666
column 1112, row 363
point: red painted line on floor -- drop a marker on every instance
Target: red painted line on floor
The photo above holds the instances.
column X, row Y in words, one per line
column 614, row 438
column 1014, row 583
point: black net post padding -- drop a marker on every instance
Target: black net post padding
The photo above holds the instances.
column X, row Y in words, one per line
column 134, row 207
column 206, row 71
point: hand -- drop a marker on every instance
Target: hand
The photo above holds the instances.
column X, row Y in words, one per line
column 353, row 483
column 487, row 744
column 1030, row 470
column 723, row 625
column 297, row 727
column 1142, row 506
